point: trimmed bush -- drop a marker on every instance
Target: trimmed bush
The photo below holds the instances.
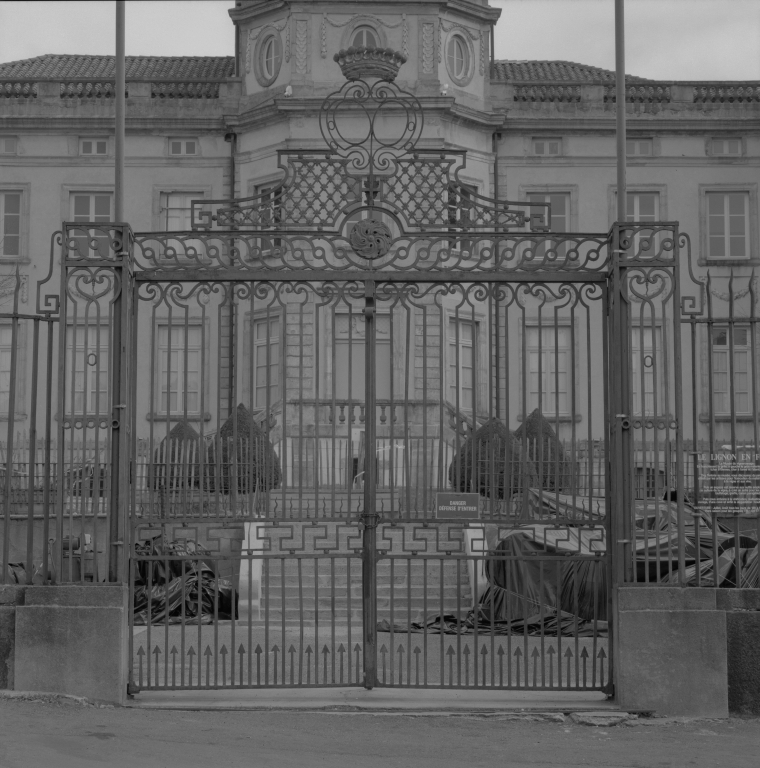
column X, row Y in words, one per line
column 246, row 454
column 489, row 459
column 546, row 453
column 184, row 455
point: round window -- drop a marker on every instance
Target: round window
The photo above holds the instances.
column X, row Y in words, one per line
column 365, row 37
column 268, row 57
column 458, row 59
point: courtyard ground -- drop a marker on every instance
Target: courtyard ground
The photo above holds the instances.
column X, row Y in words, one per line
column 65, row 734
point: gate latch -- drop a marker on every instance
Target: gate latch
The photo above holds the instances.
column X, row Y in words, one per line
column 624, row 420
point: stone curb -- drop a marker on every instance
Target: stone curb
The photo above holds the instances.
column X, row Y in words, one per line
column 52, row 698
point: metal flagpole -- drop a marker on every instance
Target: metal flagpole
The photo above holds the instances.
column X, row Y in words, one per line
column 620, row 102
column 120, row 107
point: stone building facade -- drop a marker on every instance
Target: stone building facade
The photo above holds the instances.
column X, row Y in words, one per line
column 536, row 131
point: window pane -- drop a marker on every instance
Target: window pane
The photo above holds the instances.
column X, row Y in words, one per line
column 715, row 203
column 82, row 207
column 102, row 207
column 12, row 202
column 101, row 147
column 190, row 147
column 736, row 204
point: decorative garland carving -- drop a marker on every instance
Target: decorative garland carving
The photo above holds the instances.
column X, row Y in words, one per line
column 253, row 35
column 302, row 41
column 428, row 51
column 482, row 68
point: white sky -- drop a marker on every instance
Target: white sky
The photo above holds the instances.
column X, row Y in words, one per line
column 665, row 39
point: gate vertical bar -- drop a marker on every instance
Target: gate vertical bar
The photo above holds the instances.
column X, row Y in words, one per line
column 119, row 411
column 369, row 515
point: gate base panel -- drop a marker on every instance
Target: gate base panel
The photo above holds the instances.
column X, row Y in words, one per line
column 73, row 640
column 671, row 651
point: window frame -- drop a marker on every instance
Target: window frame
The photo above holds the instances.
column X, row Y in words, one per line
column 545, row 140
column 95, row 369
column 658, row 350
column 637, row 141
column 23, row 251
column 184, row 141
column 363, row 20
column 92, row 192
column 267, row 34
column 250, row 320
column 157, row 413
column 726, row 415
column 95, row 140
column 751, row 227
column 710, row 147
column 453, row 362
column 21, row 392
column 4, row 151
column 458, row 34
column 361, row 28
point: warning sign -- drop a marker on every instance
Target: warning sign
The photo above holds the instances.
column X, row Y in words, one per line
column 462, row 506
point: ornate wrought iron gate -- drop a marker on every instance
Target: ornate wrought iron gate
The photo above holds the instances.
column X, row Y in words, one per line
column 321, row 373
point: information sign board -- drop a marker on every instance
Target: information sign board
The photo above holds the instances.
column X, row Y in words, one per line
column 729, row 483
column 462, row 506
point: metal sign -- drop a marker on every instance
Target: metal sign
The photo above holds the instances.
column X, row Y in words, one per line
column 462, row 506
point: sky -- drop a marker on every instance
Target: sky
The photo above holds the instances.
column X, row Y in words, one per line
column 665, row 39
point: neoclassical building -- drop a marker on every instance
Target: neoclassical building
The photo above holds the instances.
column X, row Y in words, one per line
column 534, row 132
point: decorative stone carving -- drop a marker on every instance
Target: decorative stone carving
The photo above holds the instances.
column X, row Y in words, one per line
column 370, row 238
column 302, row 45
column 253, row 35
column 369, row 19
column 428, row 45
column 358, row 63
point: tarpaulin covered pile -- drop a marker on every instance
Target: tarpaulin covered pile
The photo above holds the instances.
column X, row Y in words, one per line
column 180, row 591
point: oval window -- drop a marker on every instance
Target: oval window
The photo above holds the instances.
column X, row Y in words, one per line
column 458, row 58
column 271, row 57
column 364, row 37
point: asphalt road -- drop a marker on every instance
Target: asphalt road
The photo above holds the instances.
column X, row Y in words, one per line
column 71, row 735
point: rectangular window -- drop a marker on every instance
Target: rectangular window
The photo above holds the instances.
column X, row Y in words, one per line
column 349, row 357
column 6, row 338
column 463, row 360
column 741, row 374
column 175, row 210
column 266, row 361
column 93, row 146
column 642, row 207
column 270, row 214
column 10, row 223
column 548, row 368
column 183, row 147
column 547, row 146
column 726, row 147
column 87, row 353
column 646, row 370
column 8, row 145
column 460, row 210
column 728, row 225
column 639, row 147
column 91, row 208
column 179, row 369
column 558, row 222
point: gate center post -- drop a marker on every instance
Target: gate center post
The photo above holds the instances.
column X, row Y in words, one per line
column 369, row 513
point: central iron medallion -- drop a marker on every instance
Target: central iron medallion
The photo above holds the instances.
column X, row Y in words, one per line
column 370, row 238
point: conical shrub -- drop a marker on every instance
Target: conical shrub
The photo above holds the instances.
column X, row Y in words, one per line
column 247, row 458
column 546, row 452
column 176, row 461
column 489, row 462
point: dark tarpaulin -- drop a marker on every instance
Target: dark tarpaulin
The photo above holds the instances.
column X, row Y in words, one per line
column 184, row 579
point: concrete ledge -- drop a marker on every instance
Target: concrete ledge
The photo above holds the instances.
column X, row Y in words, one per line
column 739, row 600
column 640, row 598
column 10, row 597
column 93, row 596
column 12, row 594
column 671, row 652
column 73, row 640
column 743, row 638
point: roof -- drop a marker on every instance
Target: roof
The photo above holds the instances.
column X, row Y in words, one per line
column 63, row 66
column 554, row 72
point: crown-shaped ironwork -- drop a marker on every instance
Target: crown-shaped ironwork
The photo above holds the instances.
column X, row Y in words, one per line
column 365, row 62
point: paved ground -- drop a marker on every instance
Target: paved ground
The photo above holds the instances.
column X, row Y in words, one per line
column 68, row 735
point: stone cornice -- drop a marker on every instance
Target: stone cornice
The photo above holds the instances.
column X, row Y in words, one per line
column 606, row 124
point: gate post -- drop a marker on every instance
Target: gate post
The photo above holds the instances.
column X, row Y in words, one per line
column 121, row 413
column 369, row 514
